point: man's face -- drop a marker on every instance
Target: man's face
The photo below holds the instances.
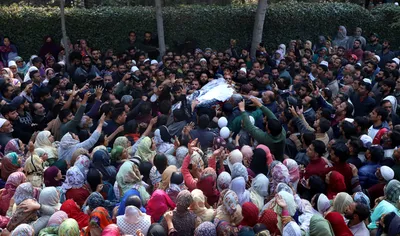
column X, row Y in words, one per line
column 177, row 59
column 348, row 79
column 340, row 52
column 373, row 38
column 392, row 66
column 341, row 108
column 7, row 127
column 122, row 69
column 220, row 56
column 362, row 90
column 108, row 64
column 147, row 36
column 129, row 64
column 304, row 61
column 96, row 55
column 191, row 76
column 373, row 116
column 256, row 67
column 203, row 78
column 37, row 78
column 349, row 211
column 108, row 79
column 232, row 62
column 310, row 151
column 87, row 62
column 297, row 79
column 215, row 63
column 161, row 76
column 13, row 115
column 356, row 44
column 397, row 84
column 265, row 79
column 337, row 63
column 197, row 68
column 195, row 85
column 282, row 65
column 388, row 106
column 39, row 109
column 320, row 70
column 275, row 73
column 261, row 59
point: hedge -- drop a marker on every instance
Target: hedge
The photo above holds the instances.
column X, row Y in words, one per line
column 211, row 26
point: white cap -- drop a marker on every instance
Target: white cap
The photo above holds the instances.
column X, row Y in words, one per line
column 222, row 122
column 367, row 81
column 324, row 63
column 203, row 59
column 378, row 58
column 12, row 63
column 146, row 60
column 225, row 132
column 243, row 70
column 2, row 121
column 397, row 60
column 154, row 62
column 134, row 69
column 387, row 173
column 134, row 62
column 366, row 140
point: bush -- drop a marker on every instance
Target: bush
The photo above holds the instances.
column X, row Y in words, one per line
column 209, row 26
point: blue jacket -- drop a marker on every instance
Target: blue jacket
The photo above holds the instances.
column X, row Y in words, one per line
column 367, row 175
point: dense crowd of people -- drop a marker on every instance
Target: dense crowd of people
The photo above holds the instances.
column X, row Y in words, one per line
column 118, row 143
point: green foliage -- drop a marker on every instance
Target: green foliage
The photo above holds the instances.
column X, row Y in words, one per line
column 108, row 27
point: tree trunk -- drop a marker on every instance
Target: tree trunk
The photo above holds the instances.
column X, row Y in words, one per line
column 258, row 26
column 160, row 28
column 64, row 33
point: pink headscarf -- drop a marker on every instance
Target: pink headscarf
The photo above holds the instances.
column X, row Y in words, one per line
column 294, row 173
column 280, row 174
column 111, row 230
column 270, row 156
column 158, row 204
column 247, row 155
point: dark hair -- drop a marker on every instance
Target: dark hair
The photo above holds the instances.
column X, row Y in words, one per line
column 160, row 162
column 324, row 125
column 7, row 109
column 380, row 111
column 362, row 211
column 308, row 137
column 390, row 83
column 377, row 153
column 204, row 121
column 349, row 129
column 367, row 86
column 395, row 138
column 36, row 60
column 165, row 107
column 362, row 122
column 356, row 144
column 93, row 178
column 349, row 109
column 341, row 151
column 319, row 147
column 116, row 113
column 63, row 114
column 133, row 201
column 145, row 108
column 274, row 127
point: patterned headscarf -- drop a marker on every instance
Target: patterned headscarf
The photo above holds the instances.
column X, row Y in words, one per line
column 247, row 152
column 183, row 201
column 74, row 179
column 238, row 169
column 122, row 141
column 206, row 229
column 69, row 227
column 99, row 218
column 57, row 218
column 360, row 197
column 230, row 202
column 280, row 174
column 392, row 191
column 23, row 230
column 95, row 200
column 83, row 163
column 24, row 191
column 223, row 181
column 181, row 153
column 13, row 146
column 144, row 149
column 294, row 172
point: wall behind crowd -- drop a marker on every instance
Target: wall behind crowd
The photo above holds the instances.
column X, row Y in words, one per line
column 209, row 26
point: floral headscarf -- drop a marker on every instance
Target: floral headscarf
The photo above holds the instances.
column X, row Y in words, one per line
column 83, row 163
column 73, row 179
column 42, row 139
column 99, row 218
column 121, row 141
column 69, row 227
column 127, row 176
column 239, row 169
column 294, row 172
column 24, row 191
column 223, row 181
column 23, row 230
column 392, row 191
column 206, row 229
column 181, row 153
column 34, row 165
column 57, row 218
column 280, row 174
column 183, row 201
column 13, row 146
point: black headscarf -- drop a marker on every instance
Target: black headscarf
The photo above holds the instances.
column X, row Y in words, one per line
column 259, row 162
column 156, row 230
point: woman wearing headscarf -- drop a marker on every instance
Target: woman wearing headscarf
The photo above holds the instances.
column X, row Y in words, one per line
column 13, row 181
column 133, row 220
column 33, row 168
column 45, row 140
column 22, row 67
column 270, row 219
column 184, row 220
column 294, row 172
column 341, row 202
column 191, row 176
column 83, row 164
column 341, row 38
column 111, row 230
column 52, row 177
column 23, row 230
column 180, row 155
column 228, row 214
column 250, row 214
column 314, row 185
column 198, row 206
column 207, row 184
column 118, row 155
column 338, row 225
column 336, row 184
column 223, row 181
column 54, row 223
column 101, row 160
column 9, row 164
column 129, row 177
column 238, row 185
column 206, row 229
column 162, row 139
column 176, row 185
column 99, row 220
column 74, row 186
column 158, row 204
column 49, row 197
column 389, row 225
column 320, row 227
column 259, row 163
column 146, row 149
column 279, row 174
column 392, row 193
column 321, row 203
column 166, row 177
column 23, row 192
column 259, row 190
column 14, row 145
column 70, row 227
column 73, row 211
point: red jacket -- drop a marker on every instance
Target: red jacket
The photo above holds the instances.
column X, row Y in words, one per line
column 316, row 167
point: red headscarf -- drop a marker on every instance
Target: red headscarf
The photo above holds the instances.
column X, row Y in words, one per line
column 98, row 218
column 158, row 204
column 75, row 213
column 336, row 184
column 338, row 225
column 207, row 184
column 250, row 214
column 270, row 219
